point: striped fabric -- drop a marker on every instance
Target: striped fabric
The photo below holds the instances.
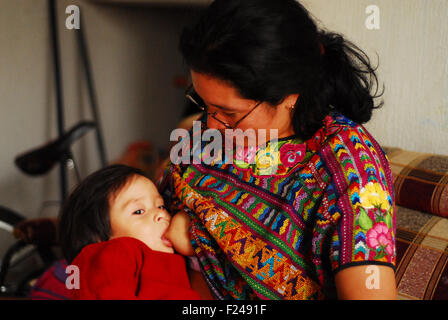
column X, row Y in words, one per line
column 422, row 255
column 421, row 191
column 422, row 174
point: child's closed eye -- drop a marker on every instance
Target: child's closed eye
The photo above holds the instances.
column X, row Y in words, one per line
column 162, row 207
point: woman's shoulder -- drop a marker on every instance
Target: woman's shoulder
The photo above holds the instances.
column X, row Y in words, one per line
column 352, row 153
column 339, row 132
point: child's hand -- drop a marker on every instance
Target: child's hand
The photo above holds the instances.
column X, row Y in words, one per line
column 177, row 233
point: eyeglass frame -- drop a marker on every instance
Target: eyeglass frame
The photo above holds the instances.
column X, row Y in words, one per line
column 188, row 94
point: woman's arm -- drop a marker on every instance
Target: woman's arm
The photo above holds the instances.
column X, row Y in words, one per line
column 366, row 282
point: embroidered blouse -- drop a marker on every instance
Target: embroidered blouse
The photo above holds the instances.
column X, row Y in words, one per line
column 279, row 222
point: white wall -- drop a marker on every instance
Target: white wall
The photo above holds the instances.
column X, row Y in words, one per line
column 412, row 45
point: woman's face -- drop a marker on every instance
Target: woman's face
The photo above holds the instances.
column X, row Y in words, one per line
column 222, row 98
column 137, row 211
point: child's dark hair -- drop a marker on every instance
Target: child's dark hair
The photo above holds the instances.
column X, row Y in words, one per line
column 84, row 217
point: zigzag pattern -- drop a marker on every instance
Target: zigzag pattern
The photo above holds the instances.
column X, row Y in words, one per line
column 254, row 254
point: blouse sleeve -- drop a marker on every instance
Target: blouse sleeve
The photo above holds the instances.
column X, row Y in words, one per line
column 363, row 201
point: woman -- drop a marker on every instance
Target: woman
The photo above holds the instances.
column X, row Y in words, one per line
column 319, row 226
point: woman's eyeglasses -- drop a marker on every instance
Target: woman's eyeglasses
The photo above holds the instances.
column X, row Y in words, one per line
column 191, row 95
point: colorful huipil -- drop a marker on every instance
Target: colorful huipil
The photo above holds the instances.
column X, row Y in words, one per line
column 280, row 221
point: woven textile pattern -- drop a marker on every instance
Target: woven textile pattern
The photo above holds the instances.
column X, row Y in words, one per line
column 281, row 226
column 422, row 174
column 421, row 188
column 422, row 256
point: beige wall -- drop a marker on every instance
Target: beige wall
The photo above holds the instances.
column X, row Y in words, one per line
column 412, row 45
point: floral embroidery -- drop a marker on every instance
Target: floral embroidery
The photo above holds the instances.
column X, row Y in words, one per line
column 378, row 225
column 244, row 157
column 291, row 154
column 380, row 238
column 276, row 158
column 267, row 161
column 373, row 196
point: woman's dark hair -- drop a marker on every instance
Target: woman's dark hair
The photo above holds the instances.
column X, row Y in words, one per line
column 84, row 217
column 269, row 49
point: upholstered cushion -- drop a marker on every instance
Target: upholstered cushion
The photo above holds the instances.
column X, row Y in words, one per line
column 422, row 255
column 420, row 180
column 421, row 198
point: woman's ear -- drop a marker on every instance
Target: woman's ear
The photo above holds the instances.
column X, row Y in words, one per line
column 291, row 100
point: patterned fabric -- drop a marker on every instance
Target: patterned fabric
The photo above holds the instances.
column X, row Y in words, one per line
column 281, row 226
column 422, row 255
column 420, row 180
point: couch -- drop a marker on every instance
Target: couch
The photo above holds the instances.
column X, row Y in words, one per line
column 421, row 198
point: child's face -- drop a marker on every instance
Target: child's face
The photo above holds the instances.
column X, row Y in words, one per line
column 137, row 211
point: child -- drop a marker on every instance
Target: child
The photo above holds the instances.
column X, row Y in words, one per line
column 112, row 228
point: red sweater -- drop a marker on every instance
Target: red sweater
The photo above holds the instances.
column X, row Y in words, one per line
column 126, row 268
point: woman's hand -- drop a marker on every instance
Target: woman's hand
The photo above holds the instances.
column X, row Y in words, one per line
column 177, row 233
